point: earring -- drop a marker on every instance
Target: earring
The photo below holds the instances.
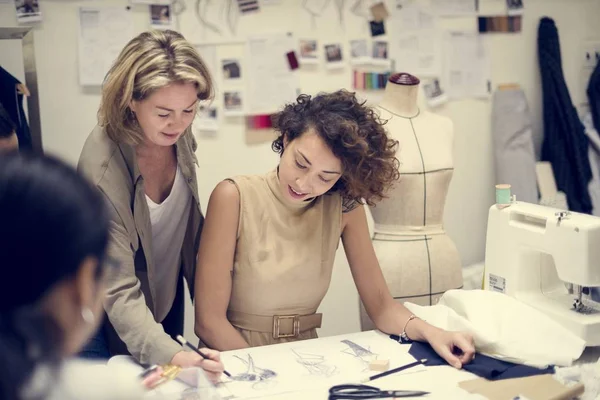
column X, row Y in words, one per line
column 87, row 315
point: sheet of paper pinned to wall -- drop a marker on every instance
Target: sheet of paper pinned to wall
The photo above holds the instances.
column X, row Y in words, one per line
column 209, row 56
column 271, row 82
column 468, row 67
column 455, row 8
column 415, row 42
column 103, row 32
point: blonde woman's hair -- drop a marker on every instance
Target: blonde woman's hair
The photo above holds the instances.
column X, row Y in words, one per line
column 150, row 61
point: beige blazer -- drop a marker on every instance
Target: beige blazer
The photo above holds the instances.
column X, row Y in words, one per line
column 129, row 304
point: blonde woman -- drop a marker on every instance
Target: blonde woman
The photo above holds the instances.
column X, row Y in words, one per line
column 141, row 157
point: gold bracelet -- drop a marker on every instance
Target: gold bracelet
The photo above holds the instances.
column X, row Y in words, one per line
column 403, row 335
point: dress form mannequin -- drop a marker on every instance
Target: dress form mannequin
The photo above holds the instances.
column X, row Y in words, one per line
column 419, row 261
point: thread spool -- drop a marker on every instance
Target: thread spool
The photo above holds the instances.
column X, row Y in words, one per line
column 503, row 196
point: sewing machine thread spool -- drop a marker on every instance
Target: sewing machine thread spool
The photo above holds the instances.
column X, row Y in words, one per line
column 503, row 197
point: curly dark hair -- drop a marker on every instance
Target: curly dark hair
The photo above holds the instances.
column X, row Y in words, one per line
column 354, row 133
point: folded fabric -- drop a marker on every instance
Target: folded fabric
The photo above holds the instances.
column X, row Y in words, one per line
column 504, row 327
column 482, row 366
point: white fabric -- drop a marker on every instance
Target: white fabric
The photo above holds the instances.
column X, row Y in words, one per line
column 169, row 223
column 503, row 327
column 82, row 379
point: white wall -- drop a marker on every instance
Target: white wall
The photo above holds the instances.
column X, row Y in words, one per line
column 69, row 111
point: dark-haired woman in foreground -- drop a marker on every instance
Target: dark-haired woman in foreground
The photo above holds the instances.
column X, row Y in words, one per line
column 269, row 242
column 53, row 237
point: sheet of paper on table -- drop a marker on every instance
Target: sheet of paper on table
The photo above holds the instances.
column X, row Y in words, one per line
column 297, row 366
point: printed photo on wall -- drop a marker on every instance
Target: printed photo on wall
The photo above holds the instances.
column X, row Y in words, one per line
column 207, row 121
column 28, row 11
column 380, row 53
column 359, row 51
column 161, row 16
column 514, row 7
column 233, row 103
column 333, row 55
column 434, row 94
column 308, row 51
column 231, row 69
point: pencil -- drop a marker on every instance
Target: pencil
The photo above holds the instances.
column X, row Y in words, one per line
column 184, row 342
column 393, row 371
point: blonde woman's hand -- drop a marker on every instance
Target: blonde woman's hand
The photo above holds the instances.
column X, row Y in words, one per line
column 212, row 366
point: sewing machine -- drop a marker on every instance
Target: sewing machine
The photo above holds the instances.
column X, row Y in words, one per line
column 549, row 259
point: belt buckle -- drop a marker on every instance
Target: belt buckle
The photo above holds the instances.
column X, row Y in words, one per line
column 276, row 325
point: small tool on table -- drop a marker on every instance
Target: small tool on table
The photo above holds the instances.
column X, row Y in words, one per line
column 394, row 370
column 354, row 391
column 169, row 372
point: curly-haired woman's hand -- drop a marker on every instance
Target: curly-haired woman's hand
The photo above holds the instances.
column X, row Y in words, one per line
column 457, row 348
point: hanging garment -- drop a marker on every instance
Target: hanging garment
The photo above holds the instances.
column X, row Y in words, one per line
column 594, row 156
column 565, row 145
column 593, row 92
column 513, row 144
column 13, row 103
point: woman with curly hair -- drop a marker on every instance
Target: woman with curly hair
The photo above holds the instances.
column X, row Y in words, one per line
column 269, row 242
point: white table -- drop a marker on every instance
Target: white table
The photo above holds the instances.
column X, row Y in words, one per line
column 441, row 382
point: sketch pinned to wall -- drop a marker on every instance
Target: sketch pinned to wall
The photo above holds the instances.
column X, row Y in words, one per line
column 273, row 83
column 161, row 16
column 28, row 11
column 360, row 8
column 455, row 8
column 248, row 6
column 413, row 16
column 212, row 15
column 232, row 69
column 468, row 66
column 359, row 52
column 103, row 32
column 157, row 2
column 314, row 8
column 339, row 9
column 200, row 10
column 308, row 51
column 233, row 103
column 417, row 51
column 334, row 56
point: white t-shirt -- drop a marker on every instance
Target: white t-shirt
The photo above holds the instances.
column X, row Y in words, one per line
column 169, row 222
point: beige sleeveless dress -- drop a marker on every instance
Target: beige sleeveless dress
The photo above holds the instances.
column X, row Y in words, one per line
column 283, row 261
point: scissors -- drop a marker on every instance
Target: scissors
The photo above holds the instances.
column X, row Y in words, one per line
column 350, row 392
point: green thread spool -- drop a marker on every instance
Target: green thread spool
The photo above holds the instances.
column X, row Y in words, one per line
column 503, row 197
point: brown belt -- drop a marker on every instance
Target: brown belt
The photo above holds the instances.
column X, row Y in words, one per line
column 281, row 326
